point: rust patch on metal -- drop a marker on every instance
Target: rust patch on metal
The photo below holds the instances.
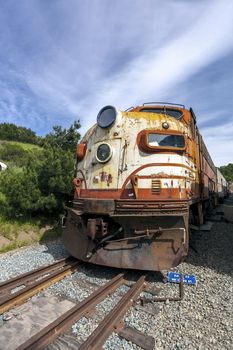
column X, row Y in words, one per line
column 134, row 183
column 147, row 243
column 155, row 186
column 96, row 228
column 145, row 300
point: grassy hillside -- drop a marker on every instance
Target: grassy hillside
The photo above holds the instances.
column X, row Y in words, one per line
column 14, row 153
column 18, row 233
column 25, row 146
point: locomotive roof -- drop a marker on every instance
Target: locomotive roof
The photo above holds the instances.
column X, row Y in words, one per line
column 166, row 105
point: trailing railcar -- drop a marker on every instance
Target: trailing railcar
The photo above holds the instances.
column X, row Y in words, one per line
column 142, row 176
column 222, row 186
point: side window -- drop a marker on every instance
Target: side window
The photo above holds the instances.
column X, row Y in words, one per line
column 192, row 122
column 175, row 113
column 192, row 127
column 197, row 136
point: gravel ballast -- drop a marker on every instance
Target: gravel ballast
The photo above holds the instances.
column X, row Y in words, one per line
column 25, row 259
column 202, row 320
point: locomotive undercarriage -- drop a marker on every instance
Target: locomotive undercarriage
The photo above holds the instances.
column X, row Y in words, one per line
column 148, row 235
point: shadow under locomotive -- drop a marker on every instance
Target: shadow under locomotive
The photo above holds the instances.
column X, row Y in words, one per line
column 214, row 249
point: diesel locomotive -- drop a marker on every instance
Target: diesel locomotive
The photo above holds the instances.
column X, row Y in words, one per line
column 142, row 176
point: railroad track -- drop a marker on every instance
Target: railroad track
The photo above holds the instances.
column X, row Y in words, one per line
column 18, row 289
column 112, row 322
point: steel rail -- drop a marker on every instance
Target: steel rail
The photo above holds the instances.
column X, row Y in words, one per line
column 112, row 320
column 27, row 277
column 40, row 340
column 34, row 282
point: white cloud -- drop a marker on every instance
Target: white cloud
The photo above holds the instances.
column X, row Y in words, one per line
column 156, row 73
column 97, row 39
column 219, row 142
column 73, row 60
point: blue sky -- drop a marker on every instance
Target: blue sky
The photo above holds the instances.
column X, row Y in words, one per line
column 62, row 60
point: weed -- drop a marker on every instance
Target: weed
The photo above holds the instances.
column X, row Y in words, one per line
column 37, row 229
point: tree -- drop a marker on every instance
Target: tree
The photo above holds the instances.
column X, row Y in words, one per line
column 65, row 139
column 55, row 175
column 227, row 171
column 11, row 132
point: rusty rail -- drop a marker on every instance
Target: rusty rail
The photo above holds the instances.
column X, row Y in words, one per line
column 31, row 275
column 40, row 340
column 111, row 321
column 33, row 282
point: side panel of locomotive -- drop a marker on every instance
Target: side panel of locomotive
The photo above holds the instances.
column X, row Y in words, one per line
column 137, row 179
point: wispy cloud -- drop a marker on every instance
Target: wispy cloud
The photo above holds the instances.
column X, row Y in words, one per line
column 220, row 142
column 159, row 70
column 63, row 60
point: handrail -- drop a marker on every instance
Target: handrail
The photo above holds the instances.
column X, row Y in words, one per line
column 163, row 104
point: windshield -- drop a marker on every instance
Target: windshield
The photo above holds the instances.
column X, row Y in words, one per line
column 166, row 140
column 171, row 112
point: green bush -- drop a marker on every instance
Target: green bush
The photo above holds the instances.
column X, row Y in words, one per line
column 42, row 186
column 20, row 192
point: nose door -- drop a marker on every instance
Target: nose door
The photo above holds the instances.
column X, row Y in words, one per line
column 105, row 165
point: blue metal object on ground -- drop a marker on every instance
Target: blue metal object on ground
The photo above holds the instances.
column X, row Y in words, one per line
column 175, row 277
column 190, row 279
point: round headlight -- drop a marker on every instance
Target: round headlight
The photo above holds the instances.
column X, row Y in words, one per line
column 165, row 125
column 103, row 153
column 106, row 116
